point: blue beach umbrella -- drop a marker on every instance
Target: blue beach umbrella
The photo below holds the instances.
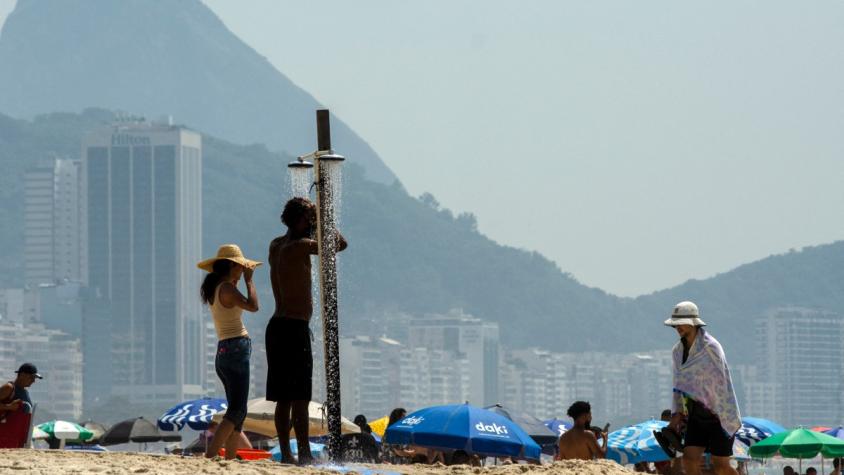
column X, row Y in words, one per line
column 754, row 429
column 557, row 426
column 463, row 427
column 195, row 414
column 636, row 444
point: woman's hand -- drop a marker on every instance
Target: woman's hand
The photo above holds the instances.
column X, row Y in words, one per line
column 247, row 273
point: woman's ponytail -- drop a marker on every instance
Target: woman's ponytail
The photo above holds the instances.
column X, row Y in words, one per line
column 221, row 269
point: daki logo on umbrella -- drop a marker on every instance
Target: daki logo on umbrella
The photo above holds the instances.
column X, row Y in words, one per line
column 412, row 421
column 492, row 428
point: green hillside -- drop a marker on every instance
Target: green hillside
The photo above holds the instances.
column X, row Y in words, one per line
column 408, row 255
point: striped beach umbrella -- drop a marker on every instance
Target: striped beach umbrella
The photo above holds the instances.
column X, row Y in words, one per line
column 558, row 426
column 196, row 414
column 61, row 430
column 754, row 429
column 636, row 444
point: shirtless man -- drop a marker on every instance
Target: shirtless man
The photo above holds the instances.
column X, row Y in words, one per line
column 580, row 442
column 288, row 336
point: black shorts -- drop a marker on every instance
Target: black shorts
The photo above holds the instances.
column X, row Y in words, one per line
column 290, row 364
column 704, row 430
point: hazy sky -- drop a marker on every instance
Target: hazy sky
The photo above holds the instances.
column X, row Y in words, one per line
column 637, row 144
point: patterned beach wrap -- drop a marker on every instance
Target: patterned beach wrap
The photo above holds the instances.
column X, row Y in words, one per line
column 705, row 377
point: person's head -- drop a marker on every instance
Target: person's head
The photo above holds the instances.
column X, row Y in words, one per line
column 27, row 374
column 223, row 270
column 581, row 413
column 836, row 463
column 788, row 470
column 299, row 216
column 360, row 421
column 685, row 318
column 396, row 415
column 811, row 471
column 227, row 266
column 666, row 415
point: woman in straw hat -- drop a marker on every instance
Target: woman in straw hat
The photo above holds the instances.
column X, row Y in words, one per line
column 219, row 291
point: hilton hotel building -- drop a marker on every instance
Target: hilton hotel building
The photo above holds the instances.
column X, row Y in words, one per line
column 142, row 331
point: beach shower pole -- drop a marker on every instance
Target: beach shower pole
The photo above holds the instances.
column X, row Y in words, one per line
column 326, row 167
column 327, row 239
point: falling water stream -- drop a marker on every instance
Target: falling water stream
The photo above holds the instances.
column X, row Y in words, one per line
column 324, row 273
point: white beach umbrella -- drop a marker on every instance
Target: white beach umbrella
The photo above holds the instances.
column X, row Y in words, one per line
column 260, row 419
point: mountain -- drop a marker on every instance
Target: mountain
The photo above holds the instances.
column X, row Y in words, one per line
column 159, row 57
column 407, row 255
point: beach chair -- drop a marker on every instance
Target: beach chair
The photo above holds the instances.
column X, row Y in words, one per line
column 15, row 429
column 359, row 448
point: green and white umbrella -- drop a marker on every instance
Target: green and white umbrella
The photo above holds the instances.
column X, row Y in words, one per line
column 61, row 430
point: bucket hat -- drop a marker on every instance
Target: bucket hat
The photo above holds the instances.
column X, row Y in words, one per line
column 230, row 252
column 685, row 313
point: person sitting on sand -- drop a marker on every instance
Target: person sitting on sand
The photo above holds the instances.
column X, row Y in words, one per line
column 14, row 394
column 579, row 442
column 219, row 291
column 396, row 454
column 288, row 337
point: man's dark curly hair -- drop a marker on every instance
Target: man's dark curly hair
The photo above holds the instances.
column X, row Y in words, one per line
column 294, row 210
column 578, row 409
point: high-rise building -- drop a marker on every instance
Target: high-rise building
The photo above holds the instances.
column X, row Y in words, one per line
column 803, row 356
column 12, row 304
column 370, row 375
column 53, row 237
column 143, row 205
column 468, row 338
column 431, row 377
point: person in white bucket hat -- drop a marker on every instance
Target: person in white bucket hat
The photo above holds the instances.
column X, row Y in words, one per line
column 703, row 395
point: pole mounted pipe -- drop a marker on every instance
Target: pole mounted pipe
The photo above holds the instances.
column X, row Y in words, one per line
column 327, row 242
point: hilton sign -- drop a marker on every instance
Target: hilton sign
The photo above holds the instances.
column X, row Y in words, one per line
column 126, row 139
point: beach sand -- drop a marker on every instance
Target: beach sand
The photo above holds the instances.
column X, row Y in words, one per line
column 114, row 463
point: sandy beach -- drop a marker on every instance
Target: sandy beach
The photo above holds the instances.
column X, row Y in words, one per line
column 115, row 463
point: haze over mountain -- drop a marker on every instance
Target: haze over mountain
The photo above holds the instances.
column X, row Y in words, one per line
column 408, row 255
column 158, row 57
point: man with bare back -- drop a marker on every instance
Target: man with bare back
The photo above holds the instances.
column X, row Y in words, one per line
column 580, row 442
column 288, row 336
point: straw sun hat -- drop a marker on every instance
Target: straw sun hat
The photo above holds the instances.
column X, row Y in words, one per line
column 230, row 252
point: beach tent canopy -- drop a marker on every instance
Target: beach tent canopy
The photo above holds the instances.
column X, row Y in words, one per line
column 799, row 444
column 837, row 432
column 536, row 429
column 196, row 414
column 464, row 427
column 260, row 419
column 138, row 430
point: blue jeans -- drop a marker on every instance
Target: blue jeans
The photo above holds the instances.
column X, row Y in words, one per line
column 232, row 365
